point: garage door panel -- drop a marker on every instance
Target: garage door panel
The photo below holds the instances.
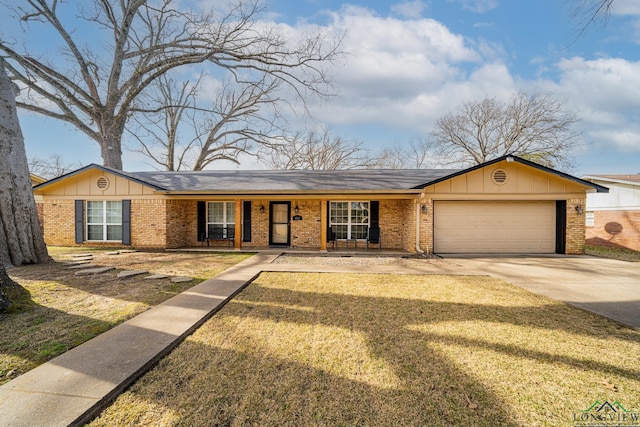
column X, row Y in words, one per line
column 494, row 227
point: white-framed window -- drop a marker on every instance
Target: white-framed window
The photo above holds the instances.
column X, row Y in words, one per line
column 589, row 219
column 221, row 219
column 349, row 219
column 104, row 220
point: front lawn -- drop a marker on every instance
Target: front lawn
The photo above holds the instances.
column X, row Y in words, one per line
column 64, row 310
column 381, row 350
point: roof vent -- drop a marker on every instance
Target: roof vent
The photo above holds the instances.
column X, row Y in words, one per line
column 102, row 183
column 499, row 176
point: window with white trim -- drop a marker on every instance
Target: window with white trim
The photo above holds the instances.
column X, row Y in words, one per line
column 104, row 220
column 589, row 219
column 221, row 219
column 349, row 220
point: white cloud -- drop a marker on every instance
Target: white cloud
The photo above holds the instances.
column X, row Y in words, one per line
column 393, row 66
column 409, row 9
column 626, row 8
column 478, row 6
column 605, row 95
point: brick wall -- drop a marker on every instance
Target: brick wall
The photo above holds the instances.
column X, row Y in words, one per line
column 615, row 229
column 59, row 225
column 397, row 224
column 181, row 221
column 306, row 233
column 575, row 238
column 426, row 225
column 148, row 223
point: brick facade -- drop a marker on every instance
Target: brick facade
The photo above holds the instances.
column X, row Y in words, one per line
column 615, row 229
column 575, row 232
column 160, row 223
column 148, row 223
column 58, row 222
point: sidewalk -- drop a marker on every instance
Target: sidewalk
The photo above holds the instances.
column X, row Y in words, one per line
column 75, row 386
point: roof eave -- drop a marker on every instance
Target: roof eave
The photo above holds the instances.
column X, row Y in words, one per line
column 99, row 167
column 293, row 192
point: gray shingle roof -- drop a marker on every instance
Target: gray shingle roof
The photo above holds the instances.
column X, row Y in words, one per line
column 300, row 180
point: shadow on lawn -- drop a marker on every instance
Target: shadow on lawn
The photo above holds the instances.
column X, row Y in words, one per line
column 37, row 334
column 133, row 289
column 204, row 383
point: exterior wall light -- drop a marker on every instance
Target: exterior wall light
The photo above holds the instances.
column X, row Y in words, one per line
column 296, row 209
column 424, row 209
column 262, row 208
column 579, row 209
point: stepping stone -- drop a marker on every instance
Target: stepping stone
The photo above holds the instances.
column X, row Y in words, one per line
column 84, row 265
column 89, row 258
column 94, row 271
column 156, row 276
column 81, row 255
column 181, row 279
column 79, row 262
column 113, row 253
column 130, row 273
column 128, row 251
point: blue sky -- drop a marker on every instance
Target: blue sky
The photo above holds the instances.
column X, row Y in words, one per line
column 412, row 62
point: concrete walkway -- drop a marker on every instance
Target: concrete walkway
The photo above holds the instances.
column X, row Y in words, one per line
column 74, row 387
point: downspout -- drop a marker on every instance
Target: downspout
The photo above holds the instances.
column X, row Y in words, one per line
column 418, row 218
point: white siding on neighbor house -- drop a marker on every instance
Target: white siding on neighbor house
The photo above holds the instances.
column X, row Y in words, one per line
column 620, row 197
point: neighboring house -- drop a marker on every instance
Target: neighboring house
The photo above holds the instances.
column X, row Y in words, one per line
column 508, row 205
column 613, row 219
column 35, row 179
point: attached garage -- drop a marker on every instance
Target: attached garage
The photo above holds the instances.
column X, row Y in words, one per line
column 494, row 227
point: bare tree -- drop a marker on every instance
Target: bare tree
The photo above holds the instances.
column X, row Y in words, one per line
column 316, row 149
column 51, row 167
column 21, row 241
column 536, row 127
column 96, row 87
column 158, row 132
column 414, row 154
column 186, row 133
column 242, row 117
column 591, row 12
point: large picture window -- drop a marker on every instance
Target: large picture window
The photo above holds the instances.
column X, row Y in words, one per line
column 221, row 219
column 349, row 220
column 104, row 220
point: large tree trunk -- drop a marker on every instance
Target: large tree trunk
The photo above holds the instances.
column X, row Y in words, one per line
column 9, row 290
column 21, row 240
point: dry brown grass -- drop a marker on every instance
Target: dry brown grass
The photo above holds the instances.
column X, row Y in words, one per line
column 65, row 310
column 622, row 254
column 382, row 350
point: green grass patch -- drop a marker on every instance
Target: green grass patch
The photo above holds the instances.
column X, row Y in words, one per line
column 378, row 350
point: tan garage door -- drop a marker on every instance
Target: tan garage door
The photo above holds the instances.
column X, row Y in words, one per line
column 494, row 227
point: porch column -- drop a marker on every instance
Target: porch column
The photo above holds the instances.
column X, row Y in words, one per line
column 237, row 242
column 323, row 225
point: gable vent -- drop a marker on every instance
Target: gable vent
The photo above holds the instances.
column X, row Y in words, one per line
column 102, row 183
column 499, row 176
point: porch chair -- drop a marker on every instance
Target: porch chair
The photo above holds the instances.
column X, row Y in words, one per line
column 373, row 236
column 331, row 237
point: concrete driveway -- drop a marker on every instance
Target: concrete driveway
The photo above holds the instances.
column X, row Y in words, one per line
column 604, row 286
